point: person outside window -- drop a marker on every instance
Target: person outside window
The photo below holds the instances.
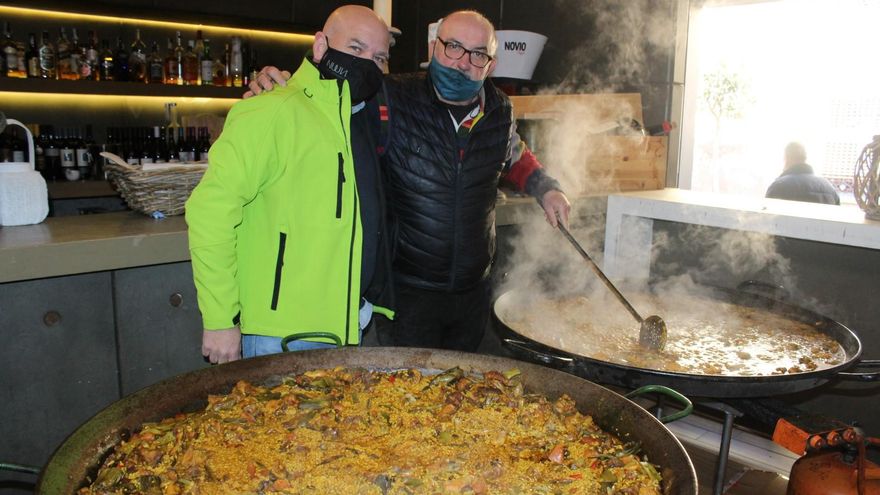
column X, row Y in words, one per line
column 799, row 183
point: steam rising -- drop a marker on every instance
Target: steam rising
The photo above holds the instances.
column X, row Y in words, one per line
column 623, row 42
column 620, row 45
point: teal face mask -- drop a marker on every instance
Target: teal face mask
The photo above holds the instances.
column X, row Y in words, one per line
column 453, row 85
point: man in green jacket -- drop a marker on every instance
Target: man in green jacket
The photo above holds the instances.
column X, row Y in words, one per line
column 285, row 227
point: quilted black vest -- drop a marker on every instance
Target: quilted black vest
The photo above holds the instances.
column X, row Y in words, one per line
column 441, row 188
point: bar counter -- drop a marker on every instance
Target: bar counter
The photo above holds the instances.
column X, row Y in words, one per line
column 90, row 243
column 111, row 241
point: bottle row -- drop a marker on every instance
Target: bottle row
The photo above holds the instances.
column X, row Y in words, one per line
column 71, row 154
column 197, row 63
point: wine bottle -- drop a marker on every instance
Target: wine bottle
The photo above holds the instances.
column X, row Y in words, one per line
column 156, row 66
column 33, row 57
column 62, row 54
column 47, row 58
column 107, row 69
column 120, row 62
column 137, row 59
column 10, row 55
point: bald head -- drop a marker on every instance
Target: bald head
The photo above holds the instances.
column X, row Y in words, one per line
column 795, row 154
column 356, row 30
column 462, row 34
column 474, row 24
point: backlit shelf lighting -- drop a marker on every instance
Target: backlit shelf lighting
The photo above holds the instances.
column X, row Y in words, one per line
column 23, row 12
column 110, row 102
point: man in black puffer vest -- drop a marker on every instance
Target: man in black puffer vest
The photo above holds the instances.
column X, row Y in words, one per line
column 448, row 137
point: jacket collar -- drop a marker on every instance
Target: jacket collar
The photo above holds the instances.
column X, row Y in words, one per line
column 800, row 168
column 314, row 86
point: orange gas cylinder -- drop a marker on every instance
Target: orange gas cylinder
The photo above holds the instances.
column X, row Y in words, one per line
column 832, row 473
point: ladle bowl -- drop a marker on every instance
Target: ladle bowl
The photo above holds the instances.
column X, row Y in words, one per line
column 652, row 330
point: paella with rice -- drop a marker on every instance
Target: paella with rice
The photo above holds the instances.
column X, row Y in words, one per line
column 358, row 431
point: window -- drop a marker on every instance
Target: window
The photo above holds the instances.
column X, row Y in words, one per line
column 762, row 74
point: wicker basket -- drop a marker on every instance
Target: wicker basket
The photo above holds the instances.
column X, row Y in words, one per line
column 163, row 190
column 866, row 181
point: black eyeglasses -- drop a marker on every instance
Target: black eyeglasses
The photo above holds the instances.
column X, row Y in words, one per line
column 455, row 51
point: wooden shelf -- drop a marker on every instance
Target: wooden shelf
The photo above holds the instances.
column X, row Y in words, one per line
column 80, row 189
column 116, row 88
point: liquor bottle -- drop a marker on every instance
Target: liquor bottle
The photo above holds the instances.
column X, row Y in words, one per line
column 178, row 60
column 111, row 145
column 10, row 54
column 94, row 150
column 121, row 143
column 22, row 61
column 68, row 156
column 199, row 49
column 173, row 152
column 190, row 65
column 76, row 56
column 107, row 71
column 51, row 154
column 204, row 144
column 130, row 152
column 160, row 148
column 47, row 58
column 39, row 159
column 5, row 147
column 171, row 73
column 253, row 69
column 83, row 156
column 137, row 59
column 171, row 120
column 156, row 66
column 181, row 147
column 207, row 66
column 62, row 54
column 33, row 56
column 89, row 68
column 120, row 62
column 245, row 63
column 17, row 146
column 220, row 69
column 236, row 69
column 147, row 147
column 191, row 144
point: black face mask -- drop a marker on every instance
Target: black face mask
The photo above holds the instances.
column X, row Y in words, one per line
column 363, row 76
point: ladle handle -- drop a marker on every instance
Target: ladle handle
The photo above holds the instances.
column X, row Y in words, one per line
column 599, row 272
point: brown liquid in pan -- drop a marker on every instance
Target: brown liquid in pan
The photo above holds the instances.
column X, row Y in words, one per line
column 706, row 336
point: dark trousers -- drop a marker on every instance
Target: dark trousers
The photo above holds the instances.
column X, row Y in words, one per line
column 438, row 320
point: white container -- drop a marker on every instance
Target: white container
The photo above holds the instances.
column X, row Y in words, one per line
column 24, row 199
column 518, row 53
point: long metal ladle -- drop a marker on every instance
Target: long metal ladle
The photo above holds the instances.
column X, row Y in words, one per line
column 652, row 330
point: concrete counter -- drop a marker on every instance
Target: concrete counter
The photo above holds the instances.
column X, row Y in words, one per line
column 112, row 241
column 90, row 243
